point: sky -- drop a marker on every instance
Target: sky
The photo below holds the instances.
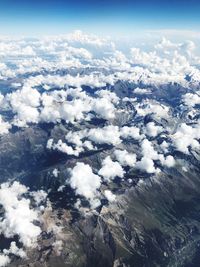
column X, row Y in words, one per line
column 38, row 17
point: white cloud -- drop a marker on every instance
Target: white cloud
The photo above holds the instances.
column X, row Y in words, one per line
column 152, row 129
column 106, row 94
column 169, row 161
column 104, row 108
column 85, row 183
column 24, row 103
column 63, row 147
column 26, row 96
column 186, row 48
column 186, row 136
column 107, row 135
column 110, row 169
column 21, row 212
column 109, row 195
column 19, row 217
column 53, row 95
column 152, row 107
column 125, row 158
column 55, row 172
column 39, row 196
column 149, row 154
column 142, row 91
column 148, row 150
column 191, row 100
column 4, row 126
column 15, row 251
column 146, row 164
column 164, row 146
column 4, row 260
column 130, row 132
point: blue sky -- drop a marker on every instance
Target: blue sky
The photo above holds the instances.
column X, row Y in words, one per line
column 36, row 17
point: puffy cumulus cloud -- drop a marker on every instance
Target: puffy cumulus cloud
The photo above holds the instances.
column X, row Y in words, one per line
column 164, row 146
column 96, row 45
column 27, row 96
column 104, row 108
column 107, row 135
column 63, row 147
column 152, row 107
column 80, row 37
column 130, row 132
column 110, row 169
column 71, row 52
column 57, row 107
column 146, row 164
column 125, row 158
column 148, row 150
column 80, row 50
column 144, row 58
column 14, row 48
column 71, row 112
column 167, row 61
column 4, row 260
column 109, row 195
column 50, row 79
column 26, row 114
column 112, row 134
column 75, row 138
column 55, row 173
column 78, row 53
column 24, row 103
column 191, row 100
column 166, row 44
column 94, row 79
column 149, row 155
column 187, row 48
column 86, row 183
column 15, row 250
column 169, row 161
column 28, row 51
column 104, row 105
column 4, row 126
column 62, row 51
column 84, row 140
column 69, row 104
column 77, row 48
column 57, row 50
column 142, row 91
column 75, row 145
column 116, row 61
column 111, row 96
column 39, row 196
column 19, row 218
column 152, row 129
column 186, row 136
